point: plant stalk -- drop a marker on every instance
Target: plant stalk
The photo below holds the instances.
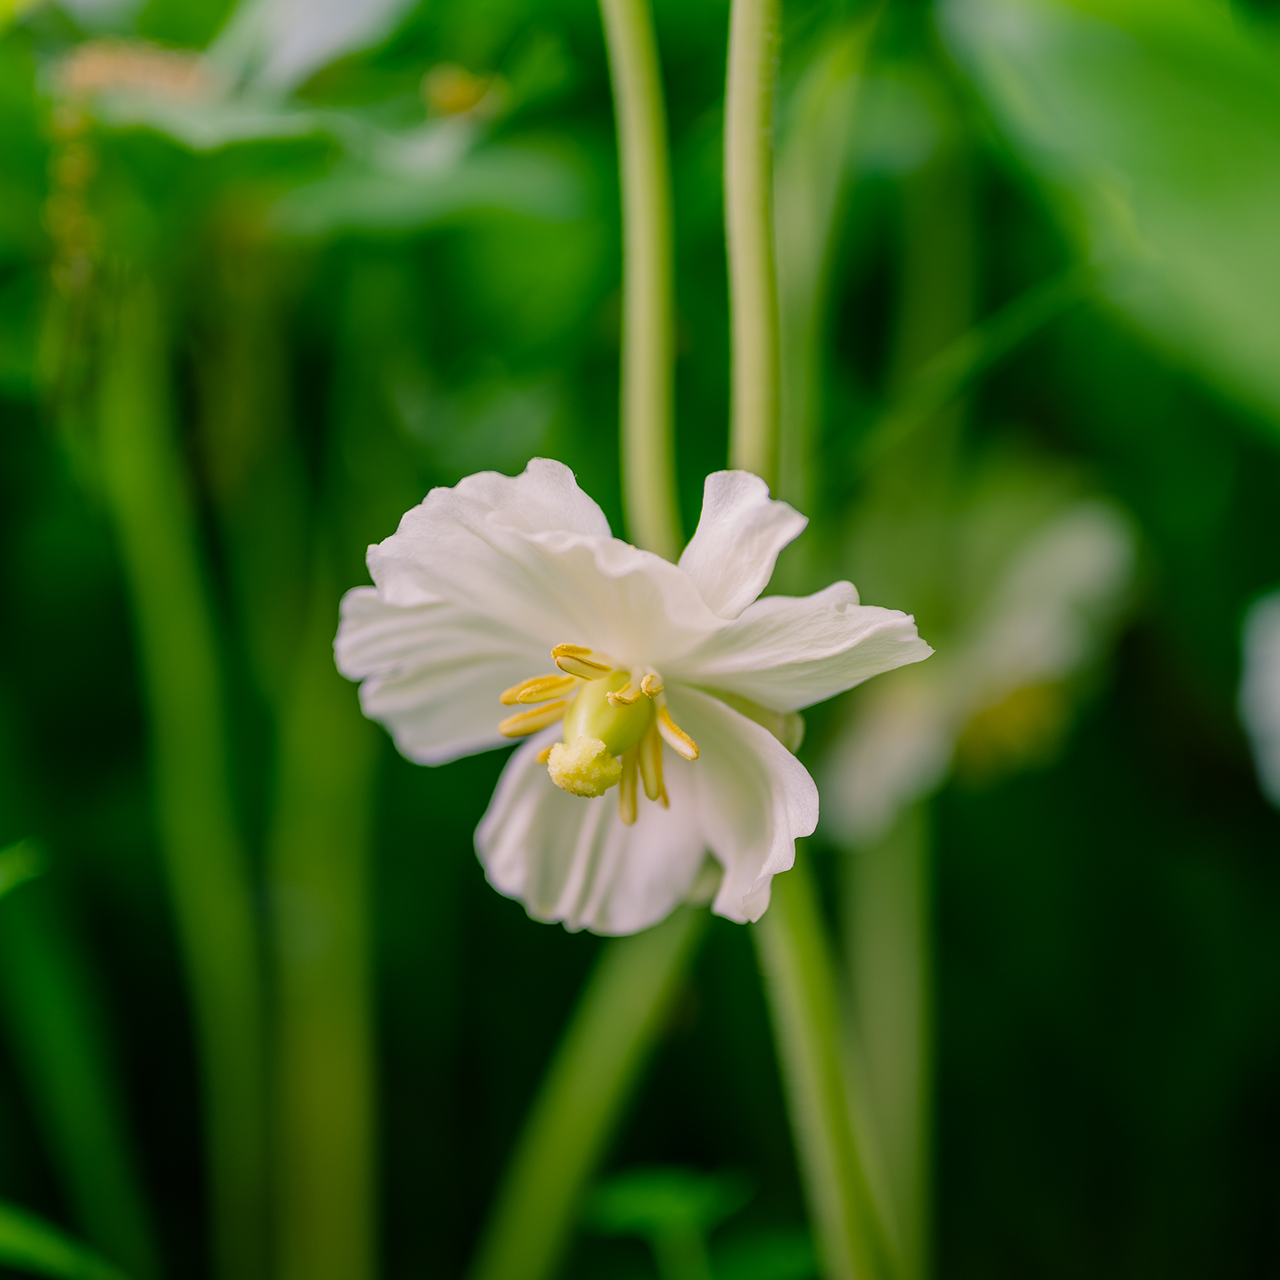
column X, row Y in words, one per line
column 748, row 200
column 648, row 458
column 804, row 1004
column 146, row 491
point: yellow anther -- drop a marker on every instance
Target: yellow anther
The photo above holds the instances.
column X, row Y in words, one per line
column 537, row 689
column 651, row 685
column 675, row 737
column 627, row 788
column 650, row 761
column 578, row 660
column 527, row 722
column 624, row 696
column 544, row 755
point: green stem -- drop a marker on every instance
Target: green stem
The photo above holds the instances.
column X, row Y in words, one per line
column 318, row 870
column 146, row 491
column 804, row 1003
column 748, row 197
column 649, row 482
column 889, row 954
column 582, row 1098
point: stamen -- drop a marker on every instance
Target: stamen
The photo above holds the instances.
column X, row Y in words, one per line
column 651, row 763
column 627, row 788
column 544, row 755
column 578, row 660
column 624, row 697
column 537, row 689
column 527, row 722
column 675, row 737
column 651, row 685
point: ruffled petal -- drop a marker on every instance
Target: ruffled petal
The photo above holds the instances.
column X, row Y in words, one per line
column 788, row 652
column 740, row 533
column 755, row 799
column 555, row 585
column 431, row 672
column 572, row 860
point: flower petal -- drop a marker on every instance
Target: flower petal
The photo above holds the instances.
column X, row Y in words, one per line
column 755, row 799
column 788, row 652
column 555, row 585
column 740, row 533
column 431, row 672
column 573, row 860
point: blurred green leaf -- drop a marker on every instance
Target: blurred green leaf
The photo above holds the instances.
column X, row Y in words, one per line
column 29, row 1243
column 19, row 863
column 650, row 1202
column 508, row 179
column 1157, row 122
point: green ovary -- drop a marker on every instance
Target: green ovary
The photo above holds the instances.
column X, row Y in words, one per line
column 596, row 734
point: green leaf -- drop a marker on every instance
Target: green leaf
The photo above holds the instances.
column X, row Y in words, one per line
column 1157, row 124
column 19, row 863
column 29, row 1243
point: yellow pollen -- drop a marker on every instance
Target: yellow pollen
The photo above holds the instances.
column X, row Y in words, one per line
column 675, row 737
column 651, row 685
column 583, row 767
column 527, row 722
column 537, row 689
column 627, row 809
column 578, row 660
column 624, row 696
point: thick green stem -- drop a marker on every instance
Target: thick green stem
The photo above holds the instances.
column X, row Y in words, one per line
column 583, row 1096
column 318, row 873
column 648, row 461
column 748, row 200
column 804, row 1004
column 146, row 490
column 889, row 931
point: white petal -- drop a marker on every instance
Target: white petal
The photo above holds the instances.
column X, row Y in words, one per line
column 739, row 535
column 431, row 672
column 788, row 652
column 755, row 799
column 573, row 860
column 556, row 585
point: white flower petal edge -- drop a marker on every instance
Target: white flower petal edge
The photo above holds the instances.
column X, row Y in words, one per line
column 481, row 581
column 738, row 539
column 755, row 800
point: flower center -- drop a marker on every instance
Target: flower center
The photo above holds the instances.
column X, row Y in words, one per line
column 613, row 728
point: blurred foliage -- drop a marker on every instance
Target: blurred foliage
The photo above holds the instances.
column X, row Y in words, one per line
column 380, row 261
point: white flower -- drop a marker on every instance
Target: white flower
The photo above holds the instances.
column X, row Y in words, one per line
column 671, row 679
column 1048, row 613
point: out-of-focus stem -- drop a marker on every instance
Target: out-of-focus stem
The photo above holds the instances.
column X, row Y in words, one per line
column 889, row 944
column 804, row 1004
column 319, row 879
column 648, row 463
column 582, row 1097
column 146, row 490
column 748, row 200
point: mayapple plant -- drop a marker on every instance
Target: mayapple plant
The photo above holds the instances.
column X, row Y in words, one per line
column 672, row 678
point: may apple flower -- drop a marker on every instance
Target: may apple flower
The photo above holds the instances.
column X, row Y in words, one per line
column 669, row 679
